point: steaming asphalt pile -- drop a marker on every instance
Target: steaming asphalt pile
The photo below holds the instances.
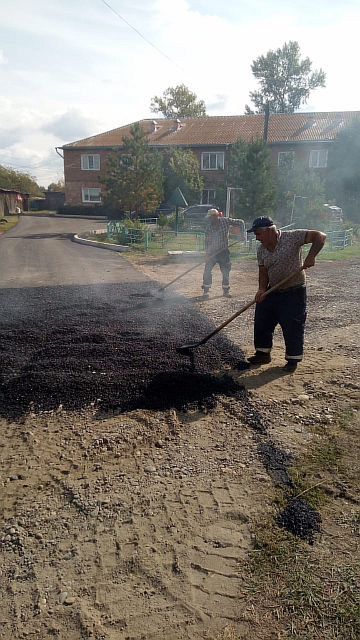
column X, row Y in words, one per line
column 111, row 345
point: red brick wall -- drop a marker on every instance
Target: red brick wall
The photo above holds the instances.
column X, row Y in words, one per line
column 76, row 178
column 301, row 152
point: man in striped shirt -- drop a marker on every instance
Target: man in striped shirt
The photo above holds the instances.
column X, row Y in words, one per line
column 217, row 251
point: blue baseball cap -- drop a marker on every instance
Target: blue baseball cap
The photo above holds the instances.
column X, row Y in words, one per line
column 261, row 221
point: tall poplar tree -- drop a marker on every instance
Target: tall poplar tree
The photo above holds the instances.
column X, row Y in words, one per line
column 285, row 80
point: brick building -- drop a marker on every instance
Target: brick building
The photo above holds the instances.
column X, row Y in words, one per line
column 307, row 136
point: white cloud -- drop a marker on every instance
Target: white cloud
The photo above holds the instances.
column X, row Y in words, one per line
column 69, row 126
column 89, row 72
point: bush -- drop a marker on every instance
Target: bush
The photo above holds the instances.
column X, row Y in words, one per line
column 134, row 224
column 163, row 221
column 182, row 223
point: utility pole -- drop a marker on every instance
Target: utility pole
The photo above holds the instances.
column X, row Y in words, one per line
column 228, row 196
column 266, row 120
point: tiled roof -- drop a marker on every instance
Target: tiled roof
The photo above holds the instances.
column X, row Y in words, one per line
column 212, row 130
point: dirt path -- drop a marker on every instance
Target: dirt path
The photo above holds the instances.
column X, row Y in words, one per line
column 331, row 359
column 135, row 526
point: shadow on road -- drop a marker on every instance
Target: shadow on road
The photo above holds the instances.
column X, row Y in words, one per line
column 43, row 236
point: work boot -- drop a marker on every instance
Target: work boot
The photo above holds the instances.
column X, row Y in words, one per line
column 226, row 293
column 205, row 295
column 260, row 357
column 290, row 366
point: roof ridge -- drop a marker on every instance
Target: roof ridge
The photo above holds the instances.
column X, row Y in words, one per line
column 104, row 133
column 204, row 129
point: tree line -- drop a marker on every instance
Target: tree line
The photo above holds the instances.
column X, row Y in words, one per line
column 19, row 181
column 25, row 183
column 285, row 83
column 141, row 178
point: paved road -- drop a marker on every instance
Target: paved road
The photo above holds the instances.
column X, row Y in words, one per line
column 39, row 252
column 79, row 324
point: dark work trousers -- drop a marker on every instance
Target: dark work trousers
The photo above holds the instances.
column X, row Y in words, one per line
column 223, row 260
column 288, row 309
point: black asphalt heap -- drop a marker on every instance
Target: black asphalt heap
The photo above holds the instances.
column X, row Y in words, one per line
column 300, row 519
column 107, row 344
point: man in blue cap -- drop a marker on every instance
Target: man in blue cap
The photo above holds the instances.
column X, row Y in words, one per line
column 279, row 255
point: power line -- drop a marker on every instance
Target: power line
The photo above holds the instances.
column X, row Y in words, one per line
column 143, row 37
column 28, row 166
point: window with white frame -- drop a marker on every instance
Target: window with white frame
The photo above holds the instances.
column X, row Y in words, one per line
column 318, row 158
column 91, row 195
column 208, row 196
column 212, row 161
column 90, row 162
column 126, row 160
column 285, row 157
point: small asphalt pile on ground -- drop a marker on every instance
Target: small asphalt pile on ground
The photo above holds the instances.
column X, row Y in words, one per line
column 110, row 345
column 300, row 519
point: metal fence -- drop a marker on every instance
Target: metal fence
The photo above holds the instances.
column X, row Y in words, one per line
column 338, row 239
column 155, row 238
column 152, row 237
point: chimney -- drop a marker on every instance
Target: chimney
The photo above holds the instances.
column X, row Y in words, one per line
column 177, row 124
column 153, row 126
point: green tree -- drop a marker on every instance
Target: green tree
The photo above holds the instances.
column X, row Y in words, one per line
column 285, row 80
column 343, row 177
column 248, row 169
column 134, row 179
column 178, row 102
column 300, row 195
column 57, row 186
column 181, row 169
column 23, row 182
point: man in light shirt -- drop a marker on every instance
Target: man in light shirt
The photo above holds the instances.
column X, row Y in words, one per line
column 279, row 255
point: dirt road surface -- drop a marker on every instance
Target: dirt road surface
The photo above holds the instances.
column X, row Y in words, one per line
column 132, row 477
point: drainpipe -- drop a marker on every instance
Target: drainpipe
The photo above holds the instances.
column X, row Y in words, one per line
column 266, row 121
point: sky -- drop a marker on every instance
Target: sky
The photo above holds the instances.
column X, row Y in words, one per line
column 70, row 69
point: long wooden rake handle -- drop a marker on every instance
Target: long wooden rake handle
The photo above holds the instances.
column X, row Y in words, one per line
column 197, row 265
column 249, row 304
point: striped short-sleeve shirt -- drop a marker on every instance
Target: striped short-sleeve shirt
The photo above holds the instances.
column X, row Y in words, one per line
column 286, row 258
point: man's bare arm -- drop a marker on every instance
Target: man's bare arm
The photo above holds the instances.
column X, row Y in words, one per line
column 317, row 238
